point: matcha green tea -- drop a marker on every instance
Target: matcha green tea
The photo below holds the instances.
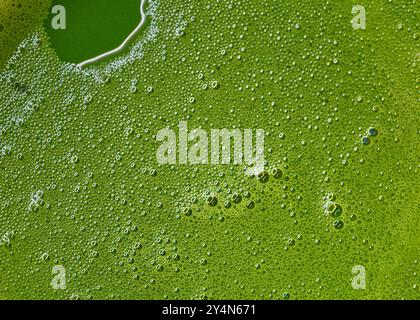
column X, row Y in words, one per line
column 227, row 150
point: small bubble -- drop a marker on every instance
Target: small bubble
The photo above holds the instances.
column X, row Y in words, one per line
column 203, row 262
column 277, row 173
column 263, row 177
column 250, row 204
column 236, row 198
column 215, row 85
column 366, row 140
column 211, row 201
column 187, row 211
column 180, row 32
column 338, row 210
column 291, row 242
column 45, row 256
column 373, row 132
column 331, row 196
column 338, row 224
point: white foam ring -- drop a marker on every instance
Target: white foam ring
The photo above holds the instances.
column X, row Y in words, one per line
column 17, row 107
column 135, row 53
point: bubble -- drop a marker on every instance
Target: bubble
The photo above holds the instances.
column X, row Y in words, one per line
column 187, row 211
column 128, row 131
column 236, row 198
column 215, row 85
column 330, row 196
column 333, row 209
column 250, row 204
column 372, row 132
column 45, row 256
column 227, row 204
column 194, row 200
column 338, row 224
column 365, row 140
column 203, row 262
column 87, row 99
column 277, row 173
column 211, row 201
column 263, row 177
column 291, row 242
column 180, row 32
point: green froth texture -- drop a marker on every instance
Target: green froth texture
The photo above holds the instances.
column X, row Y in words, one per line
column 17, row 19
column 80, row 185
